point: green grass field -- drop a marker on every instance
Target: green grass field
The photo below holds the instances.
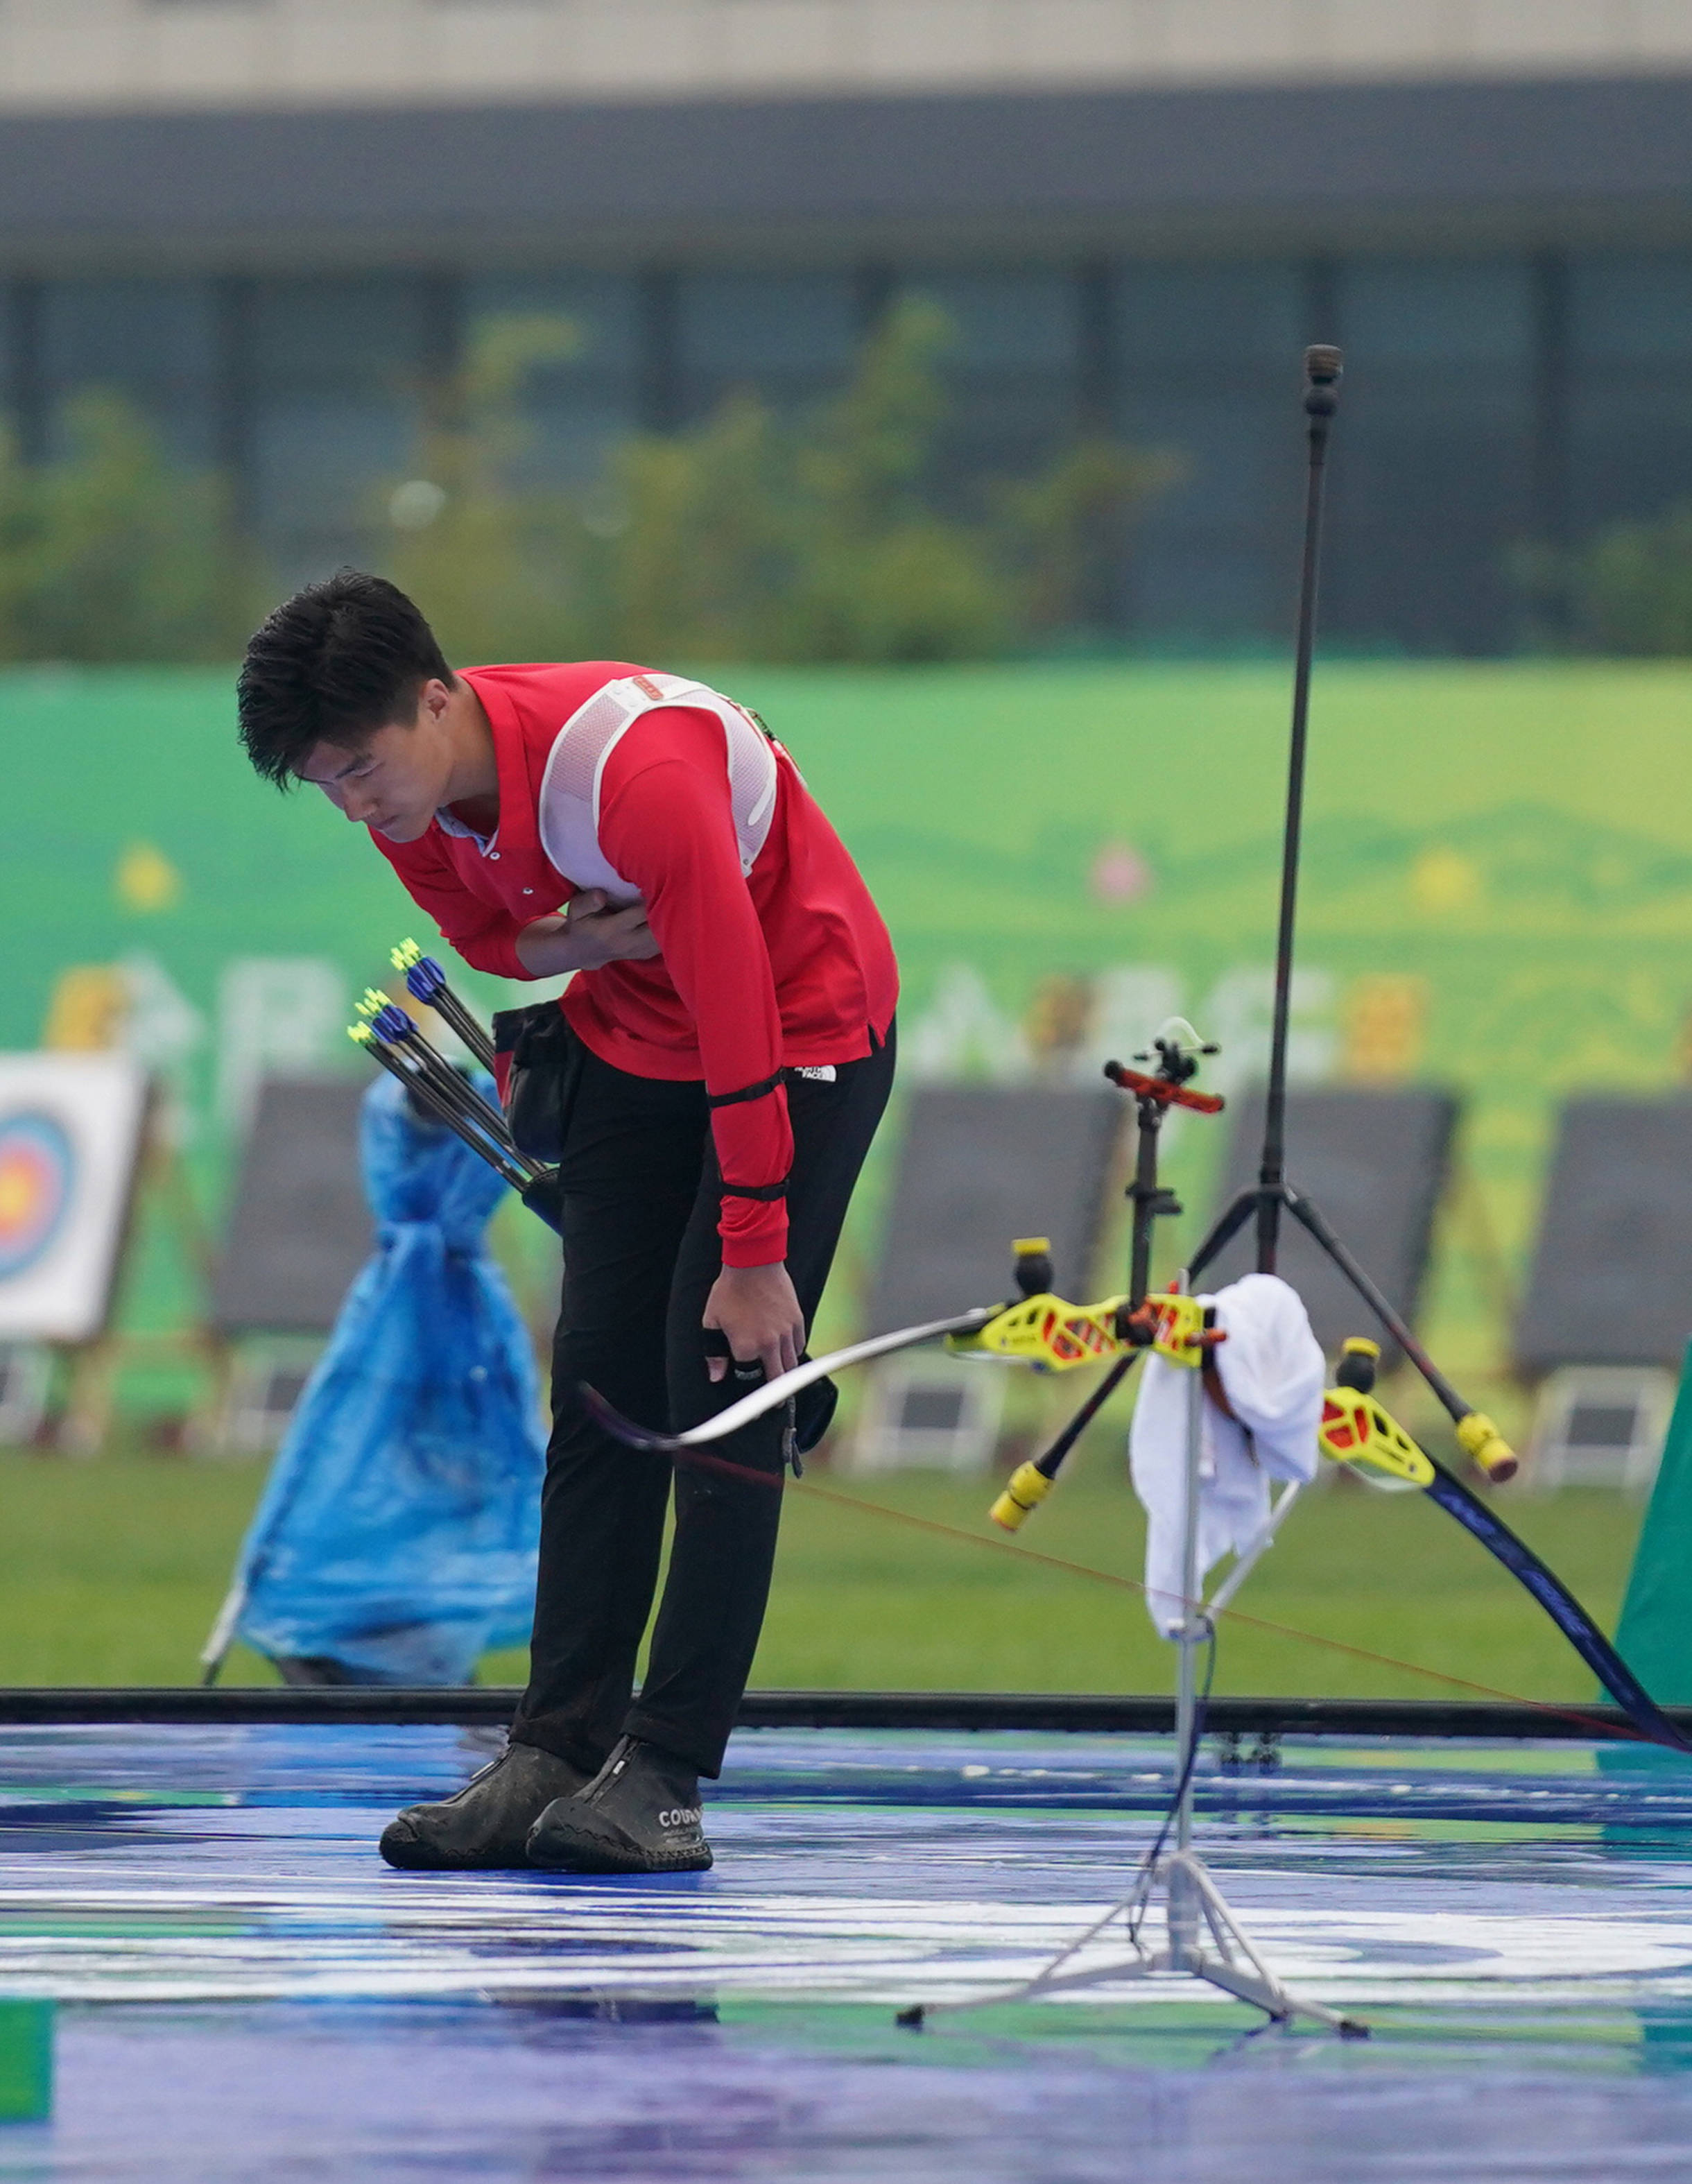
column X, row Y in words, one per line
column 112, row 1570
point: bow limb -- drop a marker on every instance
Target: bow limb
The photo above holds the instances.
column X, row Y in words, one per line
column 1476, row 1517
column 776, row 1392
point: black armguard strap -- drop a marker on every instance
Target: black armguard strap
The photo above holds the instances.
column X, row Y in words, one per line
column 758, row 1091
column 754, row 1189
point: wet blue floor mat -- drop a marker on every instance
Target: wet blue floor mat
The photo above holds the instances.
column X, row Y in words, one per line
column 244, row 1991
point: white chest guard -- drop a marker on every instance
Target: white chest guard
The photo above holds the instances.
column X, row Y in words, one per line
column 575, row 768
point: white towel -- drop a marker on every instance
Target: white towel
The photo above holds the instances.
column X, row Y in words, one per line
column 1272, row 1372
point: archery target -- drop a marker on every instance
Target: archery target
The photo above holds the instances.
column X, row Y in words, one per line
column 37, row 1164
column 70, row 1133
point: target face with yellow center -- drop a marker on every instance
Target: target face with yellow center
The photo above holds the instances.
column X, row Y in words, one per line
column 38, row 1170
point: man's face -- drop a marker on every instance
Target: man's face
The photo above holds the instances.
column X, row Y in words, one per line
column 394, row 781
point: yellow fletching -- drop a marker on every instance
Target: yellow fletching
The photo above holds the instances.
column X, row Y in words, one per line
column 360, row 1034
column 405, row 955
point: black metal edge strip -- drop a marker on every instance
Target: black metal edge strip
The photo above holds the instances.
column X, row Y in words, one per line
column 55, row 1706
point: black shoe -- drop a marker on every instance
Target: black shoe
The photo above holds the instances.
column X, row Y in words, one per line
column 639, row 1814
column 487, row 1823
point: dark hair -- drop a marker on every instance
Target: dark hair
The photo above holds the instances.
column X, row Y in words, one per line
column 332, row 665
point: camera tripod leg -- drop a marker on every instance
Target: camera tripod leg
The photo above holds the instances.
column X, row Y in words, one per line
column 1196, row 1909
column 1310, row 1217
column 1278, row 2002
column 1252, row 1980
column 1227, row 1227
column 1475, row 1430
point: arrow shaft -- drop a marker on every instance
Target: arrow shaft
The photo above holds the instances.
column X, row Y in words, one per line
column 417, row 1082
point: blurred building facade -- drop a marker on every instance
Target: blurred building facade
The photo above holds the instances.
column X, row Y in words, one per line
column 277, row 225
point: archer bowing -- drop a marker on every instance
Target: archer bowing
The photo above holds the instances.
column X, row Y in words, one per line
column 722, row 1058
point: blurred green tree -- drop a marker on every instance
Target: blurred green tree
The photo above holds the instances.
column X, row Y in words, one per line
column 1633, row 587
column 108, row 552
column 752, row 535
column 1629, row 591
column 496, row 560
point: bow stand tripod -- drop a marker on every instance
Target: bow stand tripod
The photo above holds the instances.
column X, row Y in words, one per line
column 1202, row 1938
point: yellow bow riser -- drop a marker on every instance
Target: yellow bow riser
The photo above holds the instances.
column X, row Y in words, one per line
column 1054, row 1336
column 1046, row 1332
column 1356, row 1430
column 1180, row 1323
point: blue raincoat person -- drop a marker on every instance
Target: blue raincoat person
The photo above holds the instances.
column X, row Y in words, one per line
column 396, row 1537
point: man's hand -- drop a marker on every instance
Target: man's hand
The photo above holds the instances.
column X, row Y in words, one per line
column 592, row 933
column 757, row 1309
column 596, row 932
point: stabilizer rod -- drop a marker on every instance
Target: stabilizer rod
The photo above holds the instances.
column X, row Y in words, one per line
column 1322, row 368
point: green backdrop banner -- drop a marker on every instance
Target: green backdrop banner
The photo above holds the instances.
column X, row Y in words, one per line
column 1497, row 891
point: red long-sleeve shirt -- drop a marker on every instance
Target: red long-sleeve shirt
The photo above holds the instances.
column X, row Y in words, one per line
column 789, row 965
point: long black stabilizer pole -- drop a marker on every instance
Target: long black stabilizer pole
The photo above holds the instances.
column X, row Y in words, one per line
column 1323, row 366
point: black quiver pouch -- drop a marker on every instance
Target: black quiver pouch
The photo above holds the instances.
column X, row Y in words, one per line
column 540, row 1068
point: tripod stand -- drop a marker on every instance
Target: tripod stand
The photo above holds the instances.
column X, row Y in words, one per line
column 1272, row 1196
column 1203, row 1939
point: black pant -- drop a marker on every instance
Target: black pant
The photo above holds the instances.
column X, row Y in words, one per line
column 641, row 1251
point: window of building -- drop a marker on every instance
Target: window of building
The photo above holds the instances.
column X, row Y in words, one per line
column 790, row 337
column 580, row 391
column 1205, row 361
column 337, row 375
column 154, row 341
column 1012, row 367
column 1629, row 399
column 1487, row 402
column 1433, row 462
